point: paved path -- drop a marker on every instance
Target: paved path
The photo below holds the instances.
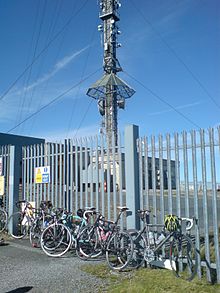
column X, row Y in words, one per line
column 29, row 269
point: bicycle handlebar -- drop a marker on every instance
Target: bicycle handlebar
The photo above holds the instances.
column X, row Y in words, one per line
column 89, row 212
column 27, row 204
column 189, row 223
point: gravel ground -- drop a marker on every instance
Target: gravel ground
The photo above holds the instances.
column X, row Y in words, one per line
column 27, row 269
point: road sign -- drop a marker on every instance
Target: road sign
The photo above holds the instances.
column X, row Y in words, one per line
column 42, row 174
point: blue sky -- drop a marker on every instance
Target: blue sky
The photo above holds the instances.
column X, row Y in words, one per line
column 170, row 55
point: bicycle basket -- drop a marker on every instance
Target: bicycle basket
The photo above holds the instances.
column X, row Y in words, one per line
column 171, row 223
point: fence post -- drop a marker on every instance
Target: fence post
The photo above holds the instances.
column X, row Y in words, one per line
column 132, row 175
column 14, row 177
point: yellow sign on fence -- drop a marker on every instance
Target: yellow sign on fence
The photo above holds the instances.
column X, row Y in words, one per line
column 38, row 177
column 42, row 174
column 2, row 185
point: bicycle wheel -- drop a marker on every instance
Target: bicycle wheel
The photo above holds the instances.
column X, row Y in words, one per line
column 18, row 225
column 183, row 257
column 139, row 249
column 35, row 234
column 88, row 245
column 56, row 240
column 3, row 220
column 119, row 250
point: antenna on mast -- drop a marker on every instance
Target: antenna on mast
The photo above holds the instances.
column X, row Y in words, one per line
column 110, row 91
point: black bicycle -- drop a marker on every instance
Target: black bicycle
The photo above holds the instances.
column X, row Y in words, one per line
column 106, row 237
column 170, row 248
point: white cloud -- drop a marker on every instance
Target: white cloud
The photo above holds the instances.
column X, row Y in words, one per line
column 14, row 104
column 57, row 67
column 178, row 108
column 60, row 135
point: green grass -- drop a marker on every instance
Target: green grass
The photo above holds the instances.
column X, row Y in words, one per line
column 148, row 280
column 5, row 236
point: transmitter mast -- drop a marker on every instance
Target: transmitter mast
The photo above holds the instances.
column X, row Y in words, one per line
column 110, row 91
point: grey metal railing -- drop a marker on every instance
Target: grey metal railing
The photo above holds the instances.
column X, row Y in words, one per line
column 5, row 168
column 180, row 174
column 177, row 174
column 83, row 172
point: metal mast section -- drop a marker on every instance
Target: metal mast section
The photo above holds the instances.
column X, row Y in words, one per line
column 110, row 91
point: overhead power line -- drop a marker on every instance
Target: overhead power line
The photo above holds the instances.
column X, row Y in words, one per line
column 39, row 33
column 53, row 21
column 193, row 75
column 84, row 117
column 163, row 101
column 23, row 96
column 43, row 50
column 82, row 75
column 53, row 101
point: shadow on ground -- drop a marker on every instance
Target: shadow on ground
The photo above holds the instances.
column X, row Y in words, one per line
column 21, row 290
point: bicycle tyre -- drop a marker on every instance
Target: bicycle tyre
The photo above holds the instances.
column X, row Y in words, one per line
column 3, row 220
column 140, row 244
column 35, row 234
column 119, row 250
column 183, row 257
column 88, row 244
column 20, row 224
column 56, row 240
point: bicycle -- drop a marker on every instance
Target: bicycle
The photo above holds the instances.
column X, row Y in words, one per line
column 42, row 218
column 106, row 237
column 172, row 248
column 60, row 236
column 19, row 223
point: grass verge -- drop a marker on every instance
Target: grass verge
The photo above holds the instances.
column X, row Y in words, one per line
column 148, row 280
column 5, row 236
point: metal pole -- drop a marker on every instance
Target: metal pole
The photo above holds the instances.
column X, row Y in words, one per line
column 132, row 175
column 205, row 205
column 161, row 178
column 196, row 204
column 214, row 202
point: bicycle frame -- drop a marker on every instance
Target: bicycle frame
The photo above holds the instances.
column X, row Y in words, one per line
column 160, row 251
column 97, row 228
column 104, row 241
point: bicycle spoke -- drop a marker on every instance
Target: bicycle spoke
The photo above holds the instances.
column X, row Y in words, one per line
column 183, row 257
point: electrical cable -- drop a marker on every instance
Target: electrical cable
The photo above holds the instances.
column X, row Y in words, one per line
column 176, row 55
column 54, row 100
column 54, row 19
column 163, row 101
column 82, row 75
column 84, row 117
column 43, row 50
column 59, row 47
column 21, row 102
column 34, row 54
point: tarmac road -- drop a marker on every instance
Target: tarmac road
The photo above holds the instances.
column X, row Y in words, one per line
column 27, row 269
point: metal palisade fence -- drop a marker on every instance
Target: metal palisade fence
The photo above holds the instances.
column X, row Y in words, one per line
column 176, row 174
column 180, row 174
column 4, row 174
column 81, row 173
